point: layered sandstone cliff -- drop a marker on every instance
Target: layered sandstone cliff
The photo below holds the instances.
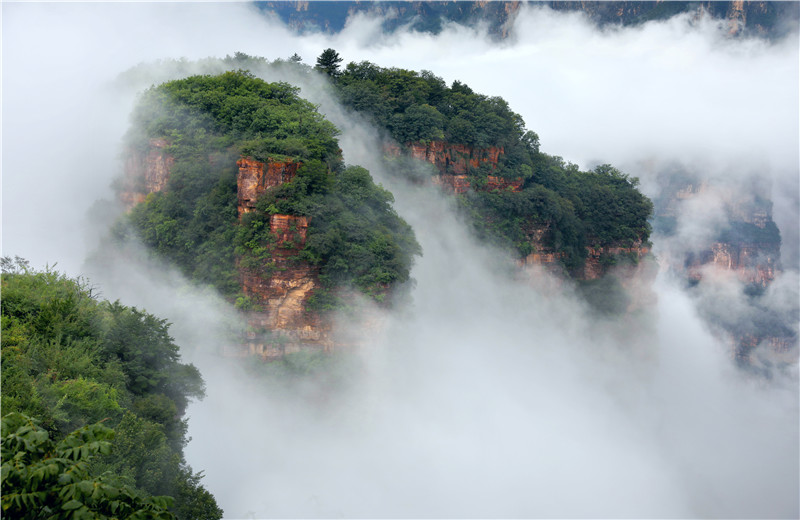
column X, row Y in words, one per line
column 742, row 246
column 280, row 290
column 754, row 257
column 145, row 172
column 283, row 323
column 599, row 260
column 454, row 161
column 256, row 177
column 752, row 263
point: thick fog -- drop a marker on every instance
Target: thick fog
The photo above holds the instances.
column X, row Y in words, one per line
column 491, row 392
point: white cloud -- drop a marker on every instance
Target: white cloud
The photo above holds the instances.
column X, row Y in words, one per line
column 487, row 397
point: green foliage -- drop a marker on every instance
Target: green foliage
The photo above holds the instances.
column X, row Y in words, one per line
column 70, row 361
column 355, row 238
column 612, row 209
column 419, row 123
column 46, row 479
column 209, row 122
column 419, row 107
column 354, row 235
column 599, row 207
column 328, row 62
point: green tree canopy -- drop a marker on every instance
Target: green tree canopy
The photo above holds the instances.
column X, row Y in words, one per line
column 69, row 361
column 328, row 62
column 46, row 479
column 601, row 207
column 194, row 222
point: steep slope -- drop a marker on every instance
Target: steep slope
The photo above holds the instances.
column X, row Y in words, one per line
column 769, row 19
column 240, row 183
column 517, row 197
column 740, row 247
column 71, row 360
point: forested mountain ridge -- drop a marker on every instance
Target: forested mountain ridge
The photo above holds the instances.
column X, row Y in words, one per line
column 517, row 196
column 71, row 360
column 241, row 184
column 743, row 18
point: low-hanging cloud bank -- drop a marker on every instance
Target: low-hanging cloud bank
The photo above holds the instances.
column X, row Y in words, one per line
column 486, row 397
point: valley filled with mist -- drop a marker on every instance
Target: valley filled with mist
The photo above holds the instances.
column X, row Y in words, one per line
column 576, row 297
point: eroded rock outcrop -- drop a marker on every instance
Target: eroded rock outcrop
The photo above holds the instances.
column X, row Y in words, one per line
column 454, row 159
column 753, row 263
column 453, row 183
column 600, row 260
column 500, row 183
column 146, row 172
column 279, row 291
column 256, row 177
column 749, row 245
column 543, row 254
column 721, row 234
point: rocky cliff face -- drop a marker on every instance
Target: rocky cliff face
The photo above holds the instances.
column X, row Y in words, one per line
column 754, row 257
column 255, row 178
column 742, row 17
column 746, row 249
column 602, row 259
column 282, row 324
column 145, row 172
column 761, row 18
column 753, row 263
column 280, row 291
column 454, row 159
column 599, row 260
column 542, row 255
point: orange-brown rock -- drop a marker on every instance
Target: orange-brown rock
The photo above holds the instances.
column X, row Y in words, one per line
column 146, row 172
column 452, row 158
column 454, row 161
column 594, row 266
column 499, row 183
column 256, row 177
column 752, row 263
column 452, row 183
column 542, row 254
column 282, row 292
column 391, row 149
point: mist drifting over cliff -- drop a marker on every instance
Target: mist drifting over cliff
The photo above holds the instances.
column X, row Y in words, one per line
column 491, row 393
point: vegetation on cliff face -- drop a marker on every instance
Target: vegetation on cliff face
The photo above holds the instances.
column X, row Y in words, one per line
column 70, row 360
column 354, row 235
column 597, row 208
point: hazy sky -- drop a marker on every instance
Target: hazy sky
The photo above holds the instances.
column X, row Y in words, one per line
column 487, row 396
column 672, row 91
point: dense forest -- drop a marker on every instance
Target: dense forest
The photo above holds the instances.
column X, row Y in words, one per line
column 93, row 395
column 597, row 208
column 355, row 238
column 558, row 208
